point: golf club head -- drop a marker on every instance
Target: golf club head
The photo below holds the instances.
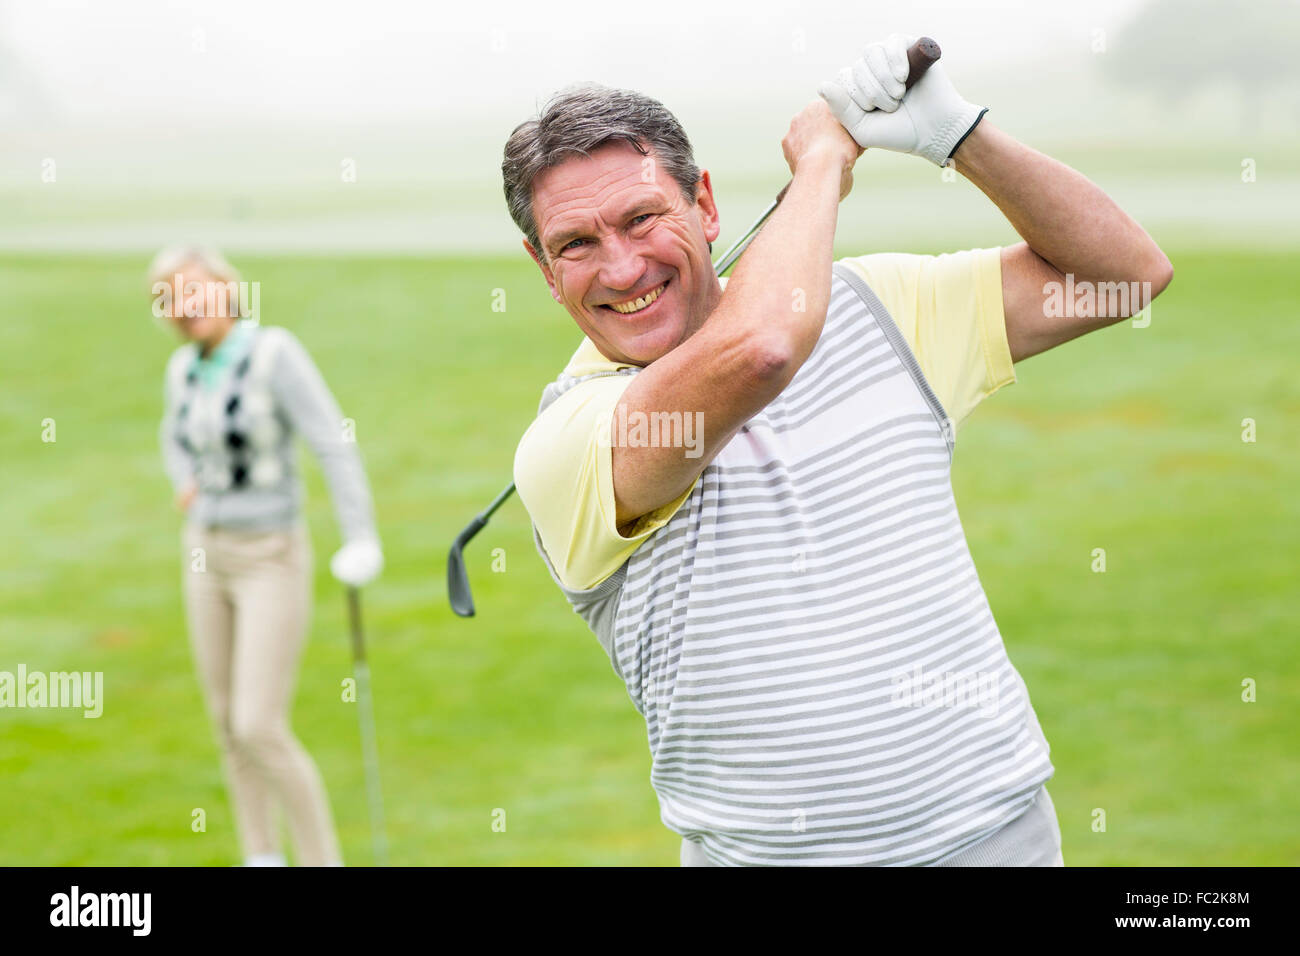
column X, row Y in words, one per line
column 458, row 593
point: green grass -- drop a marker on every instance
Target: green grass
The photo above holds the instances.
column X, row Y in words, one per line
column 1129, row 440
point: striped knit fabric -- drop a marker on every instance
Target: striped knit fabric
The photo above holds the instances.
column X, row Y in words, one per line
column 820, row 674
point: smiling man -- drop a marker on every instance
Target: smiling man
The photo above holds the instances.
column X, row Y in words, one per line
column 793, row 608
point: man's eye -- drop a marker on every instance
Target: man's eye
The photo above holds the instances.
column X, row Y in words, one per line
column 635, row 220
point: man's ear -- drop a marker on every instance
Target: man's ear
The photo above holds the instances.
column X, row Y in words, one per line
column 709, row 217
column 546, row 270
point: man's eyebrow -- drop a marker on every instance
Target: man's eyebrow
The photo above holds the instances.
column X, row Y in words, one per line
column 640, row 207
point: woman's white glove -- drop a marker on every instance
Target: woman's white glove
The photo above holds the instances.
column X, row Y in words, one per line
column 357, row 563
column 869, row 100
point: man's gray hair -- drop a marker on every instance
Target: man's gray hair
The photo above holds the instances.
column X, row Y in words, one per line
column 576, row 121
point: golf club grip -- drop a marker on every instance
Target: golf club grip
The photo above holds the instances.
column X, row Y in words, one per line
column 921, row 55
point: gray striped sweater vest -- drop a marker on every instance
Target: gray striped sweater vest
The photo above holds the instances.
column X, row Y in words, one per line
column 820, row 674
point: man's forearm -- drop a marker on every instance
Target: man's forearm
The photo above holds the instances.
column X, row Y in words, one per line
column 783, row 279
column 1063, row 217
column 752, row 343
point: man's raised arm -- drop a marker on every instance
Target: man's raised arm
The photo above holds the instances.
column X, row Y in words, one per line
column 761, row 332
column 1070, row 226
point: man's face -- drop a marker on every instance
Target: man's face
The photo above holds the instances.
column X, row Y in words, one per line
column 614, row 228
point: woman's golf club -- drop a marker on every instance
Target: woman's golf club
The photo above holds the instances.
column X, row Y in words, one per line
column 366, row 715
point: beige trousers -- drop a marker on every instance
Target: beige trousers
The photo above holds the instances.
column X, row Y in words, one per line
column 248, row 602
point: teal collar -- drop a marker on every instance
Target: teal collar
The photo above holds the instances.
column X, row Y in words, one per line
column 211, row 368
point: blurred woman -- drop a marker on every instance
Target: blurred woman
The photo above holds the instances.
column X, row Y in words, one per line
column 236, row 395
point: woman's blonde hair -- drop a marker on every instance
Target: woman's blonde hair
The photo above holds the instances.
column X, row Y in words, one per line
column 174, row 258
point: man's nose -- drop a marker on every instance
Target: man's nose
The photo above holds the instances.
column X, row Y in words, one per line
column 622, row 264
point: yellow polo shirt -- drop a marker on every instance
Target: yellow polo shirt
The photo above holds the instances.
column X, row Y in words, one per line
column 948, row 307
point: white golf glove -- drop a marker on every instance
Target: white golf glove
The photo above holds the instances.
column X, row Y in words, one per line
column 357, row 563
column 868, row 98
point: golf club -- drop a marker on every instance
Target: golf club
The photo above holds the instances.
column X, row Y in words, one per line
column 366, row 715
column 462, row 602
column 920, row 56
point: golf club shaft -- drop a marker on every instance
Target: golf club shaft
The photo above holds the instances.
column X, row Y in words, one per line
column 366, row 716
column 497, row 502
column 731, row 255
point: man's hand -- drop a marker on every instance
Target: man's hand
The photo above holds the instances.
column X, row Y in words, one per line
column 814, row 131
column 869, row 100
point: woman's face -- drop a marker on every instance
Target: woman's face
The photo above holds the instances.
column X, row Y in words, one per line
column 196, row 314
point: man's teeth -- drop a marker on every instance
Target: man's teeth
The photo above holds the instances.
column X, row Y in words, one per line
column 636, row 306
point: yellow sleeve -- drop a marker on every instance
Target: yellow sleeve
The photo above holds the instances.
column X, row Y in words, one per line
column 565, row 478
column 949, row 309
